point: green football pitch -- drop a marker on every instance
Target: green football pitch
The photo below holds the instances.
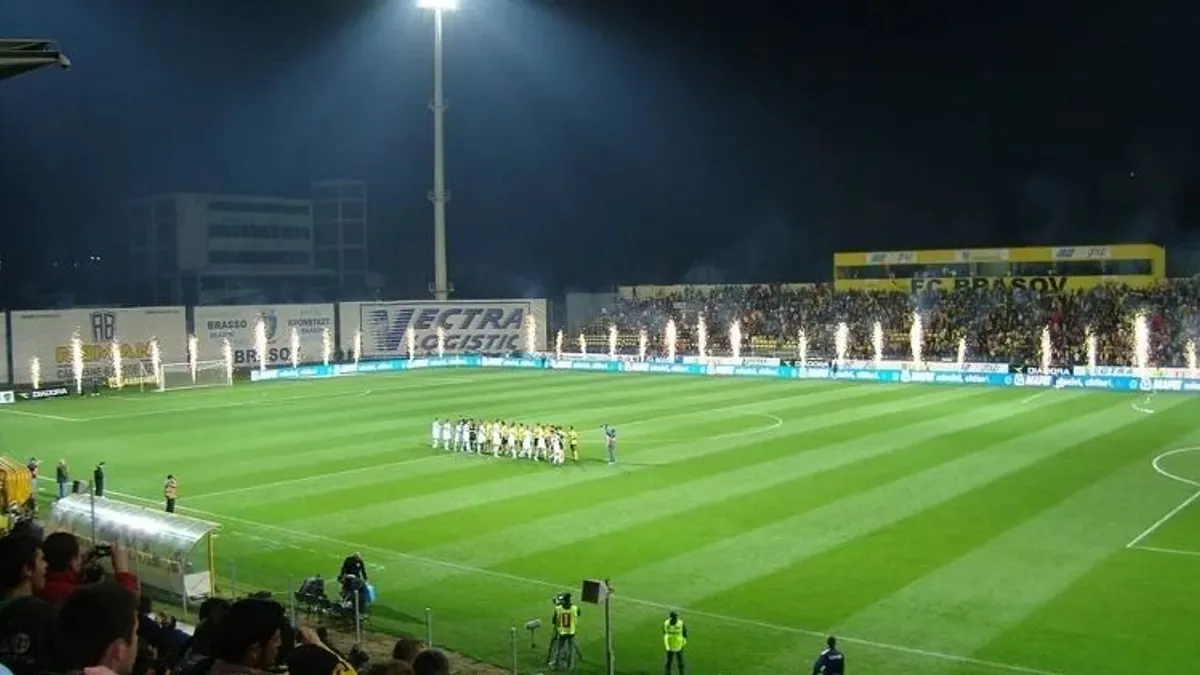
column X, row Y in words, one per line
column 935, row 529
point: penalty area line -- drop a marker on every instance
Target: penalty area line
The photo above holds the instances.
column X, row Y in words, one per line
column 1171, row 551
column 469, row 569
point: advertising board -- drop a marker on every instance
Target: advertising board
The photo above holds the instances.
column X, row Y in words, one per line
column 47, row 334
column 213, row 325
column 470, row 326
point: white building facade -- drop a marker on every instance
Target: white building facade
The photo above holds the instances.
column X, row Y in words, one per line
column 188, row 248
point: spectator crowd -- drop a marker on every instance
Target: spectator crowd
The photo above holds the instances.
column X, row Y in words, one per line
column 997, row 324
column 61, row 612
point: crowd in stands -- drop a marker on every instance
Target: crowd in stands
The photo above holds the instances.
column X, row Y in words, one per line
column 998, row 324
column 56, row 616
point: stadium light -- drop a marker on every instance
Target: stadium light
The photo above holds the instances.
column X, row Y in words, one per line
column 439, row 195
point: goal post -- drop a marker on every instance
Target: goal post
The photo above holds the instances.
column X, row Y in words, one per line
column 131, row 374
column 213, row 373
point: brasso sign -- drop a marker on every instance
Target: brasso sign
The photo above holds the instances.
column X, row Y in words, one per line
column 214, row 325
column 470, row 326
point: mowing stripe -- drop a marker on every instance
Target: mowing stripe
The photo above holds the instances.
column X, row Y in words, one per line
column 649, row 604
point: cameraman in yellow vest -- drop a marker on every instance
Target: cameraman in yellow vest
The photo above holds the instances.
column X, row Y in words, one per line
column 566, row 623
column 674, row 639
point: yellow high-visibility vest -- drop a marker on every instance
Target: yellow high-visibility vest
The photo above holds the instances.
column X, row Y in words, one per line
column 673, row 638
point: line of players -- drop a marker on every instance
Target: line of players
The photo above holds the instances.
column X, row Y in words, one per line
column 538, row 442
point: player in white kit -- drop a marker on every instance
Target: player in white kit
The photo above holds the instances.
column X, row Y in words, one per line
column 527, row 443
column 495, row 439
column 464, row 436
column 436, row 433
column 556, row 448
column 540, row 446
column 512, row 440
column 447, row 434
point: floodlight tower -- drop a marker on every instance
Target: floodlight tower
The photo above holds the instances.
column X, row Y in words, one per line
column 439, row 195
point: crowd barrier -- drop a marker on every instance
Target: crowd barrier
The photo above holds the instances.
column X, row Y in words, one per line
column 1080, row 378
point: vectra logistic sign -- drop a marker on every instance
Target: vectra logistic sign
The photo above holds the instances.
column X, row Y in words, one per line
column 484, row 326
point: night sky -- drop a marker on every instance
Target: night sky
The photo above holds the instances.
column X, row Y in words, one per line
column 600, row 142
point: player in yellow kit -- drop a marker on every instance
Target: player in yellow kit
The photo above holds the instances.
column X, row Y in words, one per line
column 574, row 439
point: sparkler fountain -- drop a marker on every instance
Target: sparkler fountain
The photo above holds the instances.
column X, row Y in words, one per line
column 1141, row 343
column 114, row 355
column 77, row 361
column 671, row 335
column 802, row 346
column 877, row 343
column 582, row 344
column 735, row 339
column 558, row 345
column 441, row 342
column 642, row 340
column 612, row 341
column 410, row 341
column 193, row 355
column 962, row 353
column 35, row 372
column 227, row 354
column 530, row 335
column 1090, row 342
column 841, row 341
column 156, row 362
column 702, row 337
column 260, row 343
column 916, row 341
column 326, row 345
column 356, row 345
column 1046, row 350
column 295, row 344
column 1190, row 353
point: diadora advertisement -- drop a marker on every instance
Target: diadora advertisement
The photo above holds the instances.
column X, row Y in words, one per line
column 237, row 324
column 476, row 326
column 1112, row 383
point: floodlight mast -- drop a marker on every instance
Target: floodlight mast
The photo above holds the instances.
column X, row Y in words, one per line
column 439, row 195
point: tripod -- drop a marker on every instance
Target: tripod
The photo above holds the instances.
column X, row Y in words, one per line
column 564, row 649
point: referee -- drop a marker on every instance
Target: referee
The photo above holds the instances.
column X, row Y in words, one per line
column 171, row 492
column 831, row 661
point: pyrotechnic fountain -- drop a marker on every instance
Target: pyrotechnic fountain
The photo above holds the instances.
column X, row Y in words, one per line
column 227, row 353
column 701, row 337
column 35, row 372
column 114, row 355
column 356, row 345
column 802, row 346
column 612, row 341
column 260, row 343
column 962, row 353
column 916, row 341
column 295, row 345
column 841, row 341
column 558, row 345
column 530, row 335
column 77, row 361
column 1141, row 342
column 326, row 345
column 1046, row 350
column 1190, row 354
column 877, row 343
column 441, row 342
column 156, row 362
column 642, row 340
column 1090, row 342
column 671, row 336
column 735, row 339
column 582, row 344
column 410, row 341
column 193, row 355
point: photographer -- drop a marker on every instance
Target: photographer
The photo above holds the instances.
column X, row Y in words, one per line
column 67, row 569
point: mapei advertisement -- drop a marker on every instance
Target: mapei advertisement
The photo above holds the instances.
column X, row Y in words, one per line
column 48, row 334
column 310, row 323
column 468, row 326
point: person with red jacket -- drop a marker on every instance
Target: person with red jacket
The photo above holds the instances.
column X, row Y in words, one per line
column 64, row 563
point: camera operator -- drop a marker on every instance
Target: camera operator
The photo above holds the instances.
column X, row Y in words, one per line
column 67, row 568
column 353, row 578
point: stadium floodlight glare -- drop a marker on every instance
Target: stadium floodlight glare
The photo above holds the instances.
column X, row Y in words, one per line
column 439, row 195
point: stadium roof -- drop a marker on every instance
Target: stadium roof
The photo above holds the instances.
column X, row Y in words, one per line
column 22, row 56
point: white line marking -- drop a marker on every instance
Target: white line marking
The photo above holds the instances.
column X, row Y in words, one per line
column 259, row 401
column 1031, row 399
column 1172, row 551
column 434, row 562
column 1156, row 463
column 306, row 479
column 42, row 416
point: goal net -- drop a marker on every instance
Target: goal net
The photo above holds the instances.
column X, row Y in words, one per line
column 131, row 374
column 206, row 374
